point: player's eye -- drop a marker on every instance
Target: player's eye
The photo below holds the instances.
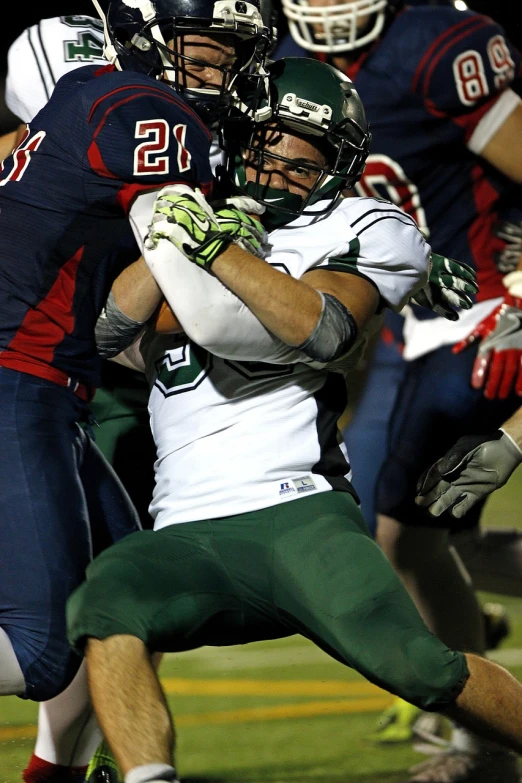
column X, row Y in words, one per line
column 300, row 172
column 195, row 67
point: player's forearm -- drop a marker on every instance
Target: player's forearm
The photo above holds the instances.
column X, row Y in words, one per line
column 513, row 427
column 211, row 314
column 287, row 307
column 134, row 297
column 7, row 144
column 9, row 141
column 136, row 293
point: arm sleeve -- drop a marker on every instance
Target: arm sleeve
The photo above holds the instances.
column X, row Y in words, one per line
column 389, row 251
column 211, row 315
column 467, row 67
column 490, row 122
column 140, row 216
column 114, row 330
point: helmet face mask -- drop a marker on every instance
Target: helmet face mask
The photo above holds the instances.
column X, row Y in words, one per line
column 334, row 29
column 314, row 103
column 147, row 36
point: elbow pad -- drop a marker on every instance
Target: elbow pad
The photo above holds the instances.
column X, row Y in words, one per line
column 114, row 330
column 334, row 334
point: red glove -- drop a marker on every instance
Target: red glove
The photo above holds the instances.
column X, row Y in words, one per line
column 498, row 366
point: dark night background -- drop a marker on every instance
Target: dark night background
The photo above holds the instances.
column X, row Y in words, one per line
column 506, row 12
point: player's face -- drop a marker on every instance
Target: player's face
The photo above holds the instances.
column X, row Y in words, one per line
column 202, row 59
column 286, row 161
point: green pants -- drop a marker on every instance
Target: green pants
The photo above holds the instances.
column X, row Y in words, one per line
column 307, row 567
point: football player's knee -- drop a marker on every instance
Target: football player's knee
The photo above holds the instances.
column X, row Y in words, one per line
column 106, row 603
column 384, row 638
column 424, row 672
column 48, row 668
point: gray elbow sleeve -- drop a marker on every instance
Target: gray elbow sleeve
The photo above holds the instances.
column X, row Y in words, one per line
column 114, row 330
column 335, row 332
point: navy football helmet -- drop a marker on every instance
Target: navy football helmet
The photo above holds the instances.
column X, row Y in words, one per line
column 137, row 33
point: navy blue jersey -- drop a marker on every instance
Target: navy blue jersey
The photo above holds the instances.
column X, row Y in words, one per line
column 104, row 137
column 426, row 85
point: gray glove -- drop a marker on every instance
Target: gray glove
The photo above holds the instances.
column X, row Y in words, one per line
column 469, row 472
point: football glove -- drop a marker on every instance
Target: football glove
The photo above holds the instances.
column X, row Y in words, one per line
column 451, row 284
column 498, row 366
column 473, row 468
column 247, row 231
column 506, row 260
column 186, row 219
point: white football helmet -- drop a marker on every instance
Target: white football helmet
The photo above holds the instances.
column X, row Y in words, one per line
column 335, row 28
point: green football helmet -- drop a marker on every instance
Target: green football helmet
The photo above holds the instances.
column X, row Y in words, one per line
column 321, row 104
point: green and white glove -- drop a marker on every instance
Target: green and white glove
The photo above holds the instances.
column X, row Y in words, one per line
column 470, row 471
column 248, row 232
column 184, row 217
column 450, row 286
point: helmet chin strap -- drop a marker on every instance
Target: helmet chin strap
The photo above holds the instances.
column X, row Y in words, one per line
column 109, row 52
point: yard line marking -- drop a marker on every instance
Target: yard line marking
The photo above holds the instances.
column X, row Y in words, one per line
column 248, row 714
column 17, row 732
column 233, row 687
column 283, row 711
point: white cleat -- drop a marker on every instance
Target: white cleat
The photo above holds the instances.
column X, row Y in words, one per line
column 455, row 766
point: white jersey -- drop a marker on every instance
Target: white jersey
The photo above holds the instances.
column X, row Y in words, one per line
column 236, row 436
column 45, row 52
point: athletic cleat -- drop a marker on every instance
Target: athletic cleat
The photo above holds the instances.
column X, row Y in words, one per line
column 102, row 767
column 458, row 767
column 103, row 774
column 430, row 729
column 496, row 624
column 396, row 723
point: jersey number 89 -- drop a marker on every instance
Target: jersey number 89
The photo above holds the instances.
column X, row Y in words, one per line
column 470, row 74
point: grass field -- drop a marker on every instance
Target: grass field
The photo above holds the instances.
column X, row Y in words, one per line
column 276, row 711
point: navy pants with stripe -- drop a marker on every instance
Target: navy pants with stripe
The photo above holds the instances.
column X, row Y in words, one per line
column 60, row 503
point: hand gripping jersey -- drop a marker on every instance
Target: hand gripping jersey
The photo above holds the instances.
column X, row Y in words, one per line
column 43, row 53
column 235, row 436
column 65, row 193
